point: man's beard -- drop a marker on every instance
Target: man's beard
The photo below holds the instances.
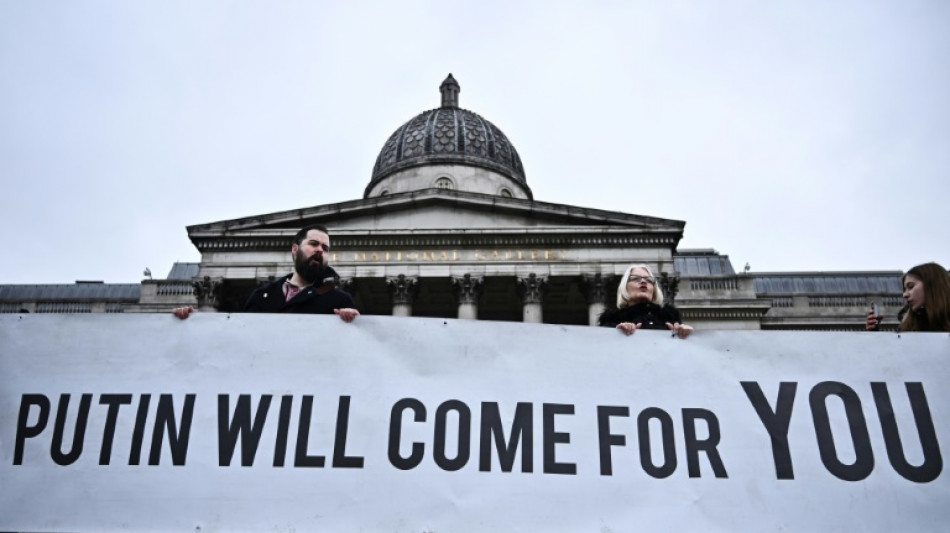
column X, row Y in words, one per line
column 311, row 271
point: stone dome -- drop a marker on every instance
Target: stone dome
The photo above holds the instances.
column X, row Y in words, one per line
column 449, row 135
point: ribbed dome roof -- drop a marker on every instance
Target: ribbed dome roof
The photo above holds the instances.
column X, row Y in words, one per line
column 448, row 135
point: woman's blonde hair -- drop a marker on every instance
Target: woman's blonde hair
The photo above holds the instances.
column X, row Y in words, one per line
column 623, row 297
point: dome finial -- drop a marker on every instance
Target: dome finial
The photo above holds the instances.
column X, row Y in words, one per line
column 450, row 92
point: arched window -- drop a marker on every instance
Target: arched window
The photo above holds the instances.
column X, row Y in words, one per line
column 504, row 192
column 444, row 183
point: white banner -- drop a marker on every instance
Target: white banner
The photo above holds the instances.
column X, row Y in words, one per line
column 305, row 423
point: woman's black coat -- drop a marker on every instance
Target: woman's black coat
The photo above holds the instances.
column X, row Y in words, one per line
column 650, row 315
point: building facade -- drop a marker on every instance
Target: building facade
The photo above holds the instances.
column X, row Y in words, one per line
column 448, row 227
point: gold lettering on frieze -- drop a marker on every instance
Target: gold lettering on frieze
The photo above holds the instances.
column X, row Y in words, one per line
column 449, row 256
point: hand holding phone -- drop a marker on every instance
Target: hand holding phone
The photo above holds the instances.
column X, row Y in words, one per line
column 874, row 318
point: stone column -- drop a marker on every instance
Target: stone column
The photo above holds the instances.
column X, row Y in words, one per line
column 467, row 289
column 670, row 286
column 207, row 292
column 403, row 290
column 594, row 289
column 347, row 285
column 531, row 291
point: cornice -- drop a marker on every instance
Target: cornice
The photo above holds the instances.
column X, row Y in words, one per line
column 495, row 239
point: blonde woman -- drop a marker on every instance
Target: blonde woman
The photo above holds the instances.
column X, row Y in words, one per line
column 640, row 306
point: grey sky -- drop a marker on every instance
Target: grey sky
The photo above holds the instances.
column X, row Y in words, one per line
column 792, row 135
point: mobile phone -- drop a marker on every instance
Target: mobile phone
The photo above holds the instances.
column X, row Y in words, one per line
column 875, row 310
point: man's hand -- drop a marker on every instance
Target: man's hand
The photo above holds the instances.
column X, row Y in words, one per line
column 680, row 330
column 629, row 328
column 183, row 312
column 347, row 314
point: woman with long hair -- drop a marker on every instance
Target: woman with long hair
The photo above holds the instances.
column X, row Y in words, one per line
column 927, row 293
column 640, row 306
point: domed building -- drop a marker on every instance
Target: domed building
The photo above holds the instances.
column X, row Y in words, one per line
column 448, row 227
column 449, row 148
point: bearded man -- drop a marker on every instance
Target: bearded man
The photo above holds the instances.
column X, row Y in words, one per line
column 310, row 288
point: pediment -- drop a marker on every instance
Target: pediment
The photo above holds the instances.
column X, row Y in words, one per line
column 436, row 217
column 436, row 209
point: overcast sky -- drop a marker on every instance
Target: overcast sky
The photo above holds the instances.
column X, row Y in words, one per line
column 789, row 135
